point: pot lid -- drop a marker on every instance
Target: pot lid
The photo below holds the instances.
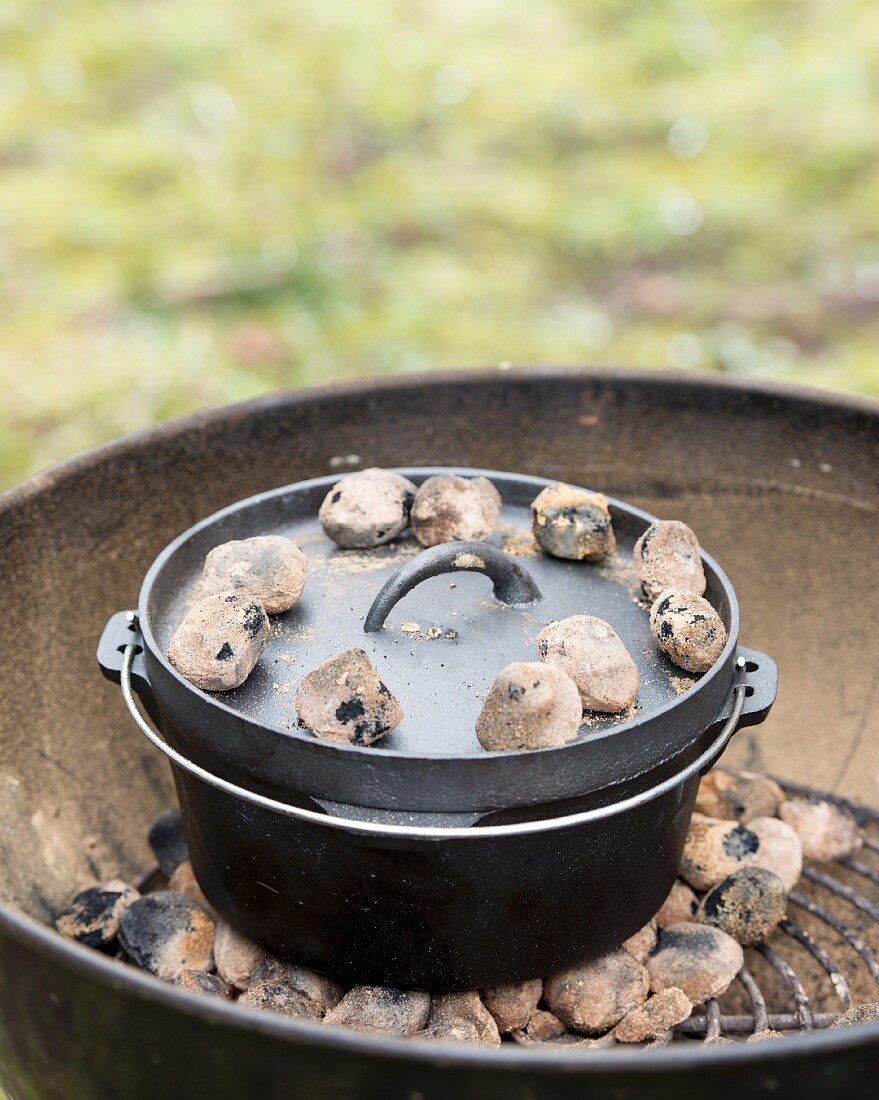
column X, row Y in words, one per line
column 439, row 651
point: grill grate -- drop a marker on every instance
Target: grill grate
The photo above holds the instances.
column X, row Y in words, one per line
column 820, row 962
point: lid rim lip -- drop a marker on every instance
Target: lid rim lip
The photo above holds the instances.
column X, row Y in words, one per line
column 214, row 708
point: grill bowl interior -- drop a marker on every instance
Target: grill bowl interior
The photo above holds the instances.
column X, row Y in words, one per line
column 781, row 485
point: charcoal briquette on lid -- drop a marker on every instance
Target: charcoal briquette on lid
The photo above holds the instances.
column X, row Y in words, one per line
column 570, row 522
column 668, row 555
column 449, row 508
column 346, row 700
column 687, row 629
column 270, row 569
column 367, row 508
column 529, row 706
column 591, row 652
column 219, row 640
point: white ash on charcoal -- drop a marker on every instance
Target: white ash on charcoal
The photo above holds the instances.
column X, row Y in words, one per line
column 283, row 987
column 655, row 1017
column 512, row 1006
column 595, row 996
column 267, row 568
column 666, row 556
column 715, row 849
column 167, row 933
column 589, row 650
column 460, row 1018
column 167, row 840
column 93, row 916
column 346, row 700
column 718, row 1041
column 858, row 1014
column 678, row 908
column 827, row 831
column 698, row 959
column 529, row 706
column 572, row 523
column 236, row 957
column 688, row 630
column 219, row 641
column 738, row 796
column 183, row 881
column 205, row 985
column 747, row 905
column 780, row 851
column 379, row 1010
column 367, row 509
column 642, row 942
column 449, row 508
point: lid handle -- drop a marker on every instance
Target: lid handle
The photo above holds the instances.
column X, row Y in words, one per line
column 513, row 585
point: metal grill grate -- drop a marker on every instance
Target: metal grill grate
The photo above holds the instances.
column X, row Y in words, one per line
column 821, row 960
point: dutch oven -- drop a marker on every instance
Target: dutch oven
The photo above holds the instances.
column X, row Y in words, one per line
column 424, row 861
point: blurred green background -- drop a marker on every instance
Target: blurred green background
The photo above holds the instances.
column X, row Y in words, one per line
column 200, row 201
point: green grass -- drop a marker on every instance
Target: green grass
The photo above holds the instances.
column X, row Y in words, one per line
column 202, row 201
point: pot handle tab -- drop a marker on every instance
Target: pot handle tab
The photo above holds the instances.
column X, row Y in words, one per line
column 758, row 672
column 513, row 585
column 123, row 630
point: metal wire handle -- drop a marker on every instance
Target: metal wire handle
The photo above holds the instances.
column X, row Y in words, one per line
column 513, row 584
column 432, row 832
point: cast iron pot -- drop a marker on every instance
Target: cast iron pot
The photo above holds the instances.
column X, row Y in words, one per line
column 765, row 468
column 406, row 863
